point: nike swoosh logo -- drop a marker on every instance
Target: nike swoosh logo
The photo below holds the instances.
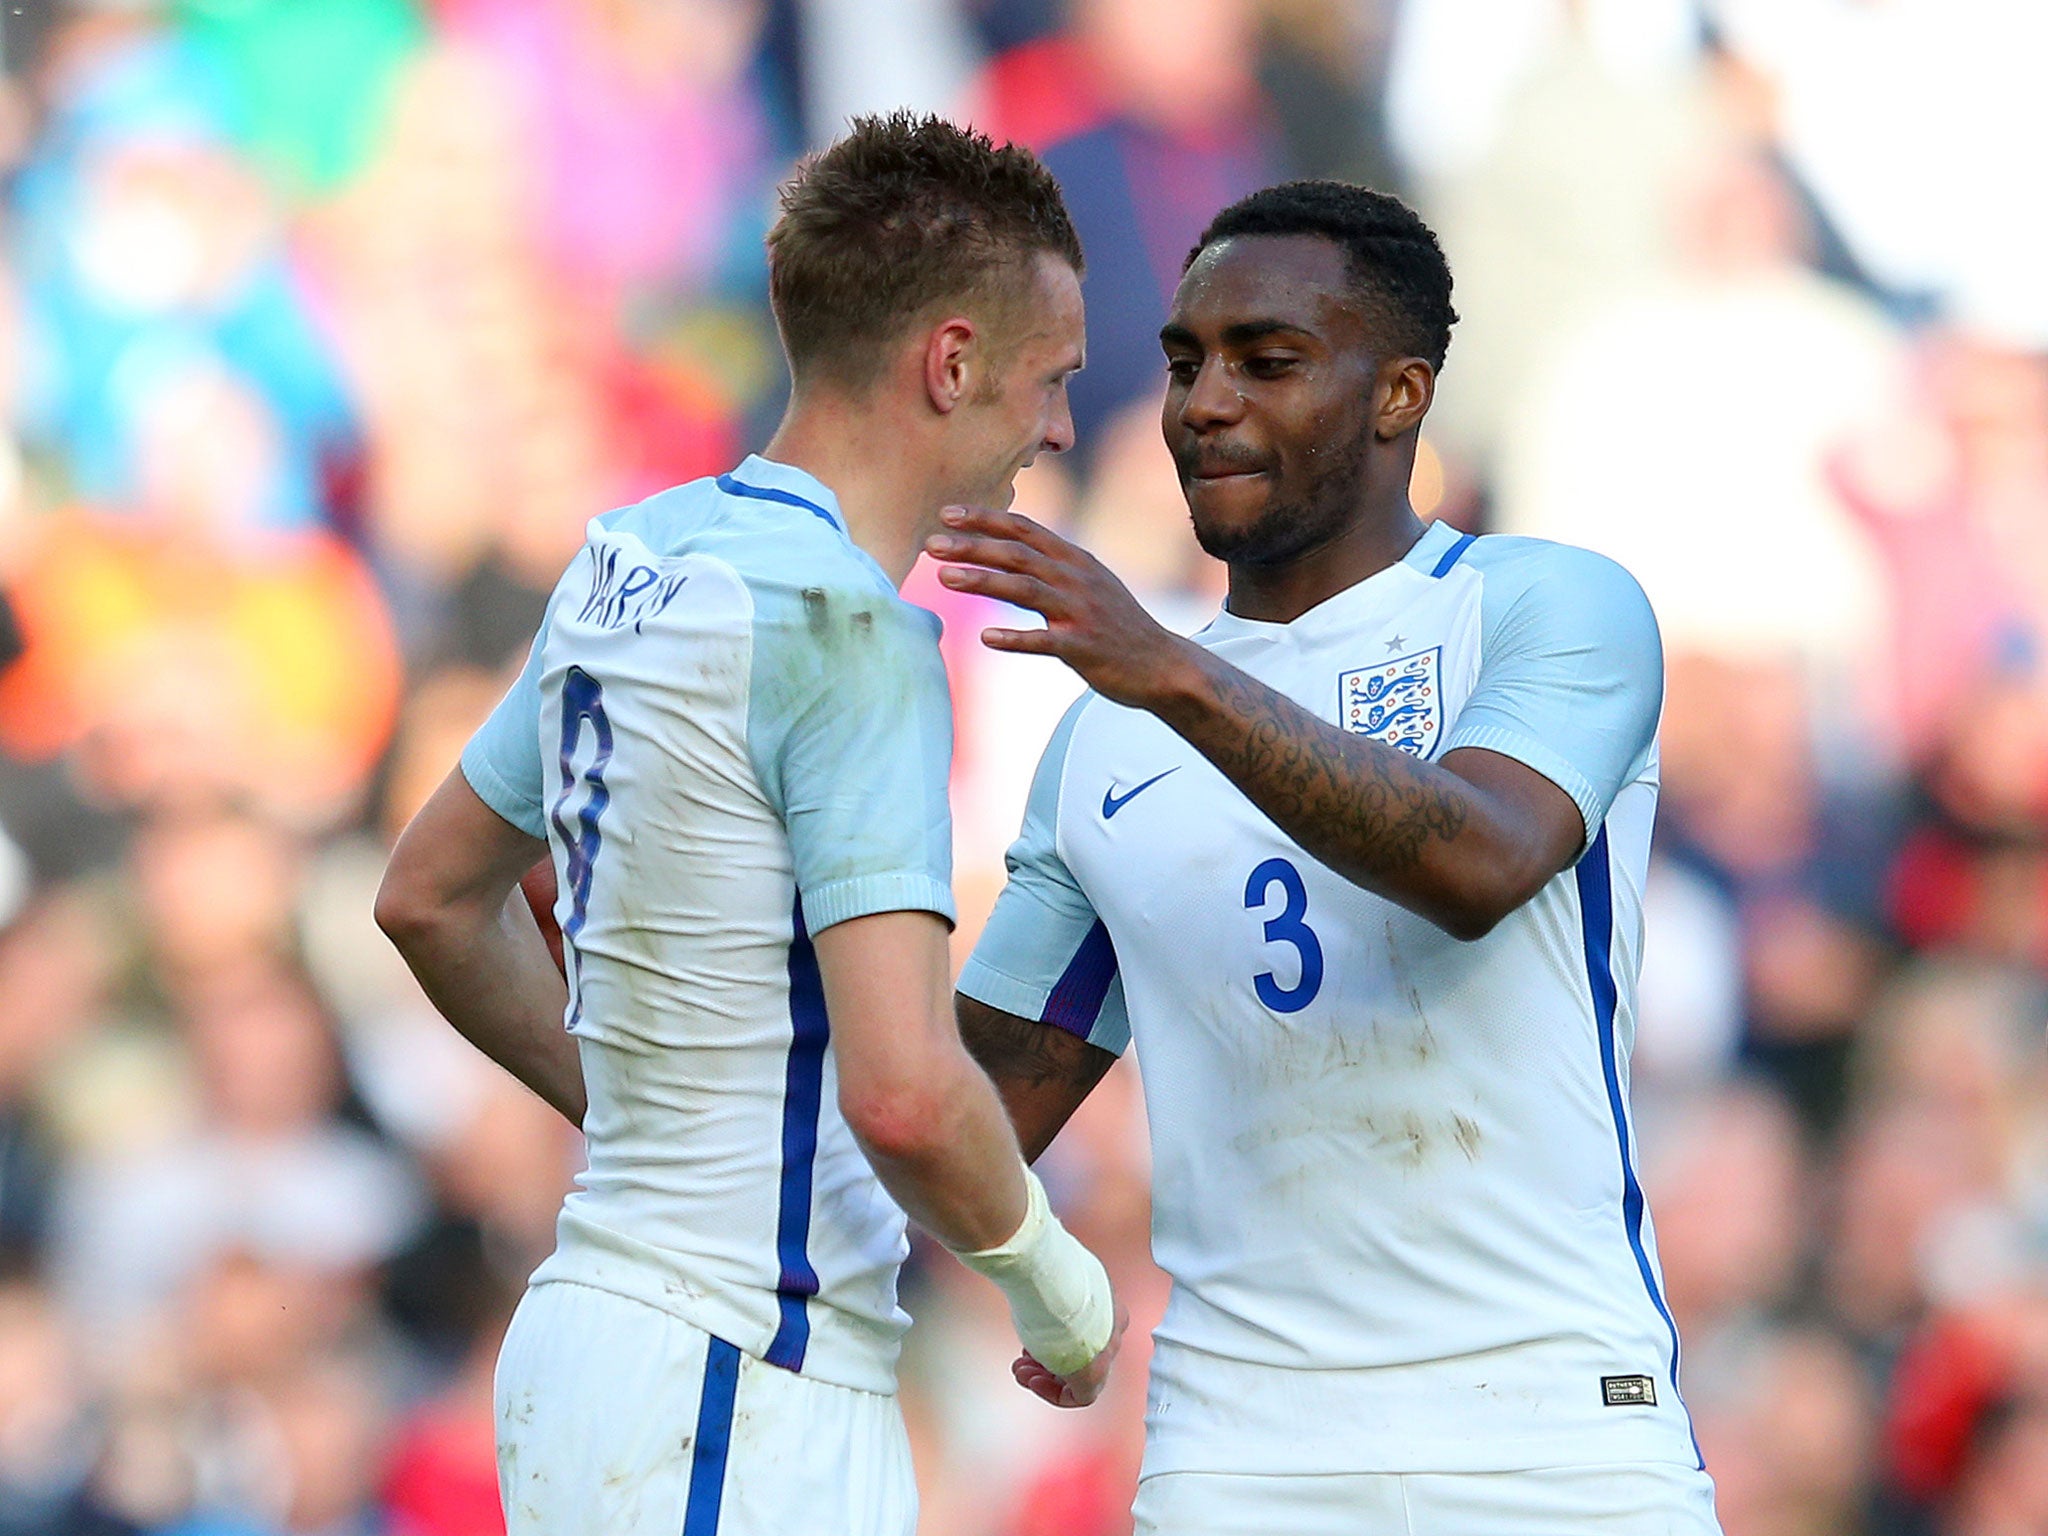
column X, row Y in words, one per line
column 1112, row 802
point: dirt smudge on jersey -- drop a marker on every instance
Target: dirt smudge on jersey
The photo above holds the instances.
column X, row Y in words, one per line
column 1465, row 1132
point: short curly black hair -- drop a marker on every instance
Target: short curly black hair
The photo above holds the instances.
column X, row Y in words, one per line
column 904, row 213
column 1397, row 268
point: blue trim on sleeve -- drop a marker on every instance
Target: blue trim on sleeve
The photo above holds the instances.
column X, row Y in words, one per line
column 1451, row 555
column 1596, row 913
column 732, row 487
column 713, row 1439
column 803, row 1088
column 1075, row 1001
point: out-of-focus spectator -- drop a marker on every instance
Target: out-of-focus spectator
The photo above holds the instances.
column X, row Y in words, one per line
column 505, row 408
column 311, row 80
column 1150, row 114
column 260, row 1163
column 862, row 56
column 1747, row 552
column 648, row 150
column 1967, row 240
column 154, row 279
column 1544, row 143
column 1689, row 999
column 442, row 1476
column 1784, row 1417
column 1728, row 1181
column 46, row 1438
column 179, row 666
column 1458, row 66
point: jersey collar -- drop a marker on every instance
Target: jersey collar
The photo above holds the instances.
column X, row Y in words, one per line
column 1428, row 552
column 785, row 483
column 1437, row 541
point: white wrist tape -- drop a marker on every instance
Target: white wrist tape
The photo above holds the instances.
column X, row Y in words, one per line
column 1058, row 1291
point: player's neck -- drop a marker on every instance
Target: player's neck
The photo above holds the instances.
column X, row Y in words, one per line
column 880, row 495
column 1280, row 594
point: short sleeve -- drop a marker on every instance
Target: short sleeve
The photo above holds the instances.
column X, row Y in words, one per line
column 1571, row 675
column 850, row 728
column 1045, row 955
column 502, row 760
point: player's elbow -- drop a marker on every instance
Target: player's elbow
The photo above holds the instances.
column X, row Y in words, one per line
column 897, row 1123
column 1465, row 925
column 1470, row 916
column 405, row 909
column 1476, row 907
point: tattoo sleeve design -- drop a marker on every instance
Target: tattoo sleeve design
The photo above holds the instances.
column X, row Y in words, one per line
column 1360, row 807
column 1013, row 1050
column 1042, row 1073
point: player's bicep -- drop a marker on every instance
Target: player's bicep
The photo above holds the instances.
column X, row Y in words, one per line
column 884, row 977
column 1042, row 1073
column 458, row 853
column 1542, row 820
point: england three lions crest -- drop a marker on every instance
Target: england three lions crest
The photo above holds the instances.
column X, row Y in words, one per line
column 1399, row 702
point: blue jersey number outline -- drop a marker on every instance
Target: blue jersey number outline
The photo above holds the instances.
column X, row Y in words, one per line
column 582, row 700
column 1287, row 928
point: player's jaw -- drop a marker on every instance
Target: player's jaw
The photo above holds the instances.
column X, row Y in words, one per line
column 992, row 481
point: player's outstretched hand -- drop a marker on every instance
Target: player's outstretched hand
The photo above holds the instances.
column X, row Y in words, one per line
column 1086, row 1384
column 1092, row 622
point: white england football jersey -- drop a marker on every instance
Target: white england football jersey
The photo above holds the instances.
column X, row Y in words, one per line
column 733, row 733
column 1393, row 1173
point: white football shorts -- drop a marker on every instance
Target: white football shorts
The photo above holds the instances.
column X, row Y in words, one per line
column 617, row 1419
column 1639, row 1499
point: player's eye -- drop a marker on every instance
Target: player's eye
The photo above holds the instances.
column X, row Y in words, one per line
column 1182, row 370
column 1269, row 365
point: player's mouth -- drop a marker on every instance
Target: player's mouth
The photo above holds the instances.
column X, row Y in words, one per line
column 1215, row 470
column 1220, row 466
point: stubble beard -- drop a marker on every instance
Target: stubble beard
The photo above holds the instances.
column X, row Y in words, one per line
column 1286, row 531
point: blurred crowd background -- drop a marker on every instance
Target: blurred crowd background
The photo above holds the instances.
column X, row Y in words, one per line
column 324, row 326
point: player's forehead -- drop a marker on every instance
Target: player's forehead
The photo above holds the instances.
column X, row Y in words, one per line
column 1302, row 281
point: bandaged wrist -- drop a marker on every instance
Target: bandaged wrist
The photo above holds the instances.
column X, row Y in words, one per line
column 1058, row 1291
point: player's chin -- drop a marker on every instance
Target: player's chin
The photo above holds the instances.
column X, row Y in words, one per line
column 1004, row 495
column 1229, row 510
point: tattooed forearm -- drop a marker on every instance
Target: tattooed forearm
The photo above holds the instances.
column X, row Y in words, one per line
column 1360, row 807
column 1462, row 842
column 1042, row 1073
column 1010, row 1049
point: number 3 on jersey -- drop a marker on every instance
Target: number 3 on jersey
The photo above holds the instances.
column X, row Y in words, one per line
column 582, row 701
column 1287, row 928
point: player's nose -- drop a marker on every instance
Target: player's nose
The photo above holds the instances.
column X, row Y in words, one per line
column 1059, row 428
column 1211, row 400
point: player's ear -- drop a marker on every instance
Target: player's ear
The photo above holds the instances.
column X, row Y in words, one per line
column 1401, row 396
column 951, row 354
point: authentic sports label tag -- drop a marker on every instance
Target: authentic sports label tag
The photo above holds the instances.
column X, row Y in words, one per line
column 1629, row 1391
